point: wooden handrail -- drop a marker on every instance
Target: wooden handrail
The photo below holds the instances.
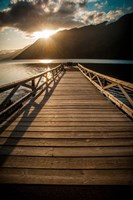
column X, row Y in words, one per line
column 33, row 84
column 13, row 84
column 112, row 88
column 113, row 80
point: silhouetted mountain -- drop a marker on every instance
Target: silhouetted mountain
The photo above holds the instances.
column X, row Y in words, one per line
column 112, row 41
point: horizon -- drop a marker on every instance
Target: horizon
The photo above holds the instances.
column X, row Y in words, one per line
column 23, row 22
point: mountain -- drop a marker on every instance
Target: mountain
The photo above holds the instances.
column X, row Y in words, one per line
column 11, row 54
column 103, row 41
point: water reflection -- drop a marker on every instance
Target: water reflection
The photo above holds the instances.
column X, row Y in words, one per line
column 14, row 72
column 45, row 61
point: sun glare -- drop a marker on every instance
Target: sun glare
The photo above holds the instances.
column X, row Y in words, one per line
column 45, row 34
column 46, row 61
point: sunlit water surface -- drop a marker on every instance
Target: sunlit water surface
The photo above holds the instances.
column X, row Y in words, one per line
column 15, row 70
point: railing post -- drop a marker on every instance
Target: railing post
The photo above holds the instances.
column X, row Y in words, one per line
column 33, row 87
column 46, row 83
column 104, row 82
column 53, row 74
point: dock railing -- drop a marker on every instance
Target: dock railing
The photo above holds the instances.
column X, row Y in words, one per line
column 118, row 91
column 17, row 93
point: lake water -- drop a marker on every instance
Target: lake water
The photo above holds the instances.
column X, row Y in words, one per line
column 15, row 70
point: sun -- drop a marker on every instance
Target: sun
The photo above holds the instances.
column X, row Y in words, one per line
column 44, row 34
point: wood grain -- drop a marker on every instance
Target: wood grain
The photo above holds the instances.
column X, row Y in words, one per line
column 70, row 135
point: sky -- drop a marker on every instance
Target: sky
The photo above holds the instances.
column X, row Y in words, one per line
column 20, row 20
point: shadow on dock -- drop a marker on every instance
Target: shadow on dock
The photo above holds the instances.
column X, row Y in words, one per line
column 26, row 113
column 60, row 192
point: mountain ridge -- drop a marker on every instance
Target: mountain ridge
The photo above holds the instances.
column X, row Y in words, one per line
column 102, row 41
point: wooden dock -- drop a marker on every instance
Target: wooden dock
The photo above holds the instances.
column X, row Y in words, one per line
column 69, row 135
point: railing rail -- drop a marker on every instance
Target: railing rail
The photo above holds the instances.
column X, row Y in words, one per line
column 118, row 91
column 31, row 86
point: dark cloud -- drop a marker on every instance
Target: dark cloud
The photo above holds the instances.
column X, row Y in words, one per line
column 31, row 16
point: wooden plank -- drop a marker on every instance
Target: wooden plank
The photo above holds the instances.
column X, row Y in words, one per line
column 69, row 96
column 67, row 134
column 80, row 90
column 67, row 163
column 80, row 101
column 58, row 99
column 72, row 135
column 72, row 115
column 77, row 89
column 41, row 142
column 72, row 118
column 71, row 92
column 71, row 124
column 76, row 177
column 69, row 108
column 72, row 110
column 76, row 97
column 72, row 97
column 67, row 151
column 73, row 86
column 68, row 128
column 104, row 106
column 86, row 109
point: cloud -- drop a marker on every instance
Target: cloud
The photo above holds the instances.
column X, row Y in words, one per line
column 114, row 15
column 92, row 1
column 100, row 5
column 36, row 15
column 96, row 17
column 129, row 8
column 30, row 16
